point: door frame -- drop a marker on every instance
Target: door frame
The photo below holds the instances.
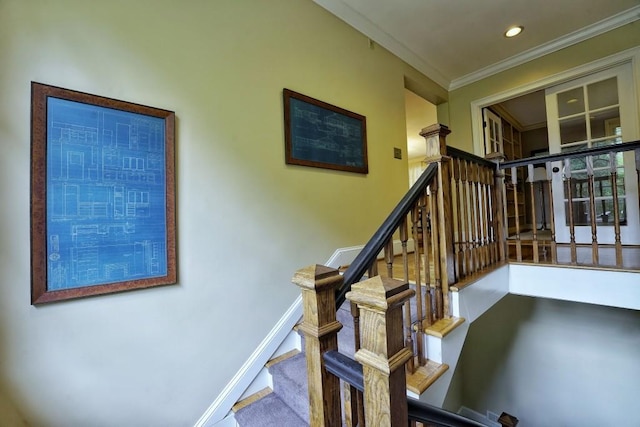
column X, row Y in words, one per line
column 630, row 55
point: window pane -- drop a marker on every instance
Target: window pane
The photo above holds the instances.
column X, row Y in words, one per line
column 600, row 122
column 603, row 94
column 571, row 102
column 573, row 130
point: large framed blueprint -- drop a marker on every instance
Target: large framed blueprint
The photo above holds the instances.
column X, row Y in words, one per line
column 102, row 195
column 322, row 135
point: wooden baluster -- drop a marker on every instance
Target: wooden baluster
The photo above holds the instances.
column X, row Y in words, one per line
column 592, row 209
column 534, row 218
column 388, row 256
column 458, row 244
column 404, row 236
column 486, row 216
column 435, row 284
column 428, row 260
column 491, row 188
column 373, row 268
column 514, row 183
column 498, row 213
column 569, row 195
column 440, row 260
column 320, row 327
column 479, row 216
column 383, row 353
column 472, row 218
column 415, row 218
column 616, row 207
column 466, row 207
column 477, row 190
column 552, row 219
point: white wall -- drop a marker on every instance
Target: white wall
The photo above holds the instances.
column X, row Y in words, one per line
column 554, row 363
column 246, row 221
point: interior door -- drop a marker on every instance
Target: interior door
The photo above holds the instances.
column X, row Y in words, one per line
column 594, row 111
column 492, row 132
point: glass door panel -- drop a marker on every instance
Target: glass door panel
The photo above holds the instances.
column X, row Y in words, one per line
column 585, row 113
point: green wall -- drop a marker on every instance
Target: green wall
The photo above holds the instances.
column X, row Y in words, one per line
column 245, row 220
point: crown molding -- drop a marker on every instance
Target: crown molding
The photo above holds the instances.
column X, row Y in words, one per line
column 371, row 30
column 613, row 22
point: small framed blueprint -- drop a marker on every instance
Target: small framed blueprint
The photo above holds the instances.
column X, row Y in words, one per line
column 322, row 135
column 102, row 195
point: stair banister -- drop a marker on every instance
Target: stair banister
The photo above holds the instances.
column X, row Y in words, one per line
column 372, row 248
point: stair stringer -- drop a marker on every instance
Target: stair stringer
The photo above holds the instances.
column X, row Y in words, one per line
column 469, row 303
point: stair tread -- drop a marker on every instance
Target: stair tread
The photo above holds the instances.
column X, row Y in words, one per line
column 269, row 411
column 282, row 357
column 443, row 327
column 424, row 376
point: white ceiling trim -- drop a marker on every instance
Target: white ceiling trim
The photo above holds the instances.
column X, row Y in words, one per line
column 585, row 33
column 371, row 30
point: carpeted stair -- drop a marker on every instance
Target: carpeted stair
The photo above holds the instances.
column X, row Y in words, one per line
column 287, row 404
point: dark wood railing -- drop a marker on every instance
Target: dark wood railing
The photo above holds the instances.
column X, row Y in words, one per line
column 460, row 219
column 593, row 205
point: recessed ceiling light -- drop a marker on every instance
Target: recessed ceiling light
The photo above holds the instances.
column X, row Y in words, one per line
column 514, row 31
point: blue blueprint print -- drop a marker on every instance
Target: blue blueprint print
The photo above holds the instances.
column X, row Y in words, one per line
column 324, row 136
column 106, row 201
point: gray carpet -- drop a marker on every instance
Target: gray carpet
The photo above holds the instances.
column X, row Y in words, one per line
column 288, row 405
column 270, row 411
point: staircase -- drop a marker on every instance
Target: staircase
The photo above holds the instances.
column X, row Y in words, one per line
column 453, row 218
column 285, row 402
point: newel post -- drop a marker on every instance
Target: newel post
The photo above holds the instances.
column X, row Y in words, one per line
column 320, row 327
column 436, row 139
column 499, row 205
column 382, row 352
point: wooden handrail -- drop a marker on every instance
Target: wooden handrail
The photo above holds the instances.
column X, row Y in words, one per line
column 463, row 155
column 350, row 371
column 538, row 160
column 369, row 253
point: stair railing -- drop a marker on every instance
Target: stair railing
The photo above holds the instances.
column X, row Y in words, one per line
column 453, row 215
column 378, row 372
column 451, row 220
column 592, row 194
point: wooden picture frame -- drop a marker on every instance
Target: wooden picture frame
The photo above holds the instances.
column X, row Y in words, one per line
column 321, row 135
column 102, row 195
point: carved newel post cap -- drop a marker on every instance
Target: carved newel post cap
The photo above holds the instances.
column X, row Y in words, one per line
column 435, row 129
column 380, row 293
column 316, row 277
column 436, row 139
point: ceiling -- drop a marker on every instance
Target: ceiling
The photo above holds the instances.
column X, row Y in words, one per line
column 457, row 42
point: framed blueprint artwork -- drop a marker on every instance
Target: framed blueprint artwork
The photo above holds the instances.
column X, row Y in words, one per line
column 322, row 135
column 102, row 195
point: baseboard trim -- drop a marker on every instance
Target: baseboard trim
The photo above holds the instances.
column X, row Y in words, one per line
column 252, row 367
column 221, row 406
